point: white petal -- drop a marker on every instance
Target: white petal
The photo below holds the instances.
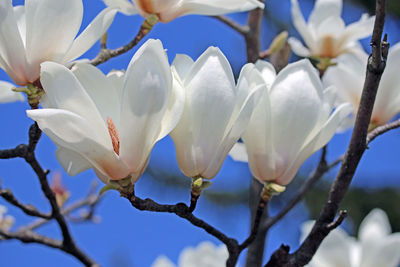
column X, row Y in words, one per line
column 332, row 27
column 294, row 109
column 267, row 71
column 324, row 9
column 182, row 65
column 209, row 7
column 334, row 250
column 298, row 48
column 163, row 261
column 7, row 95
column 251, row 87
column 210, row 100
column 72, row 162
column 360, row 29
column 51, row 26
column 317, row 142
column 146, row 98
column 301, row 26
column 64, row 91
column 117, row 79
column 91, row 34
column 12, row 51
column 374, row 226
column 101, row 90
column 123, row 6
column 239, row 153
column 381, row 252
column 19, row 13
column 73, row 132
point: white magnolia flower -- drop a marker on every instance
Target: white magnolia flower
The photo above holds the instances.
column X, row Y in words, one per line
column 6, row 222
column 292, row 121
column 7, row 95
column 349, row 76
column 205, row 255
column 44, row 30
column 97, row 123
column 167, row 10
column 325, row 34
column 376, row 246
column 216, row 110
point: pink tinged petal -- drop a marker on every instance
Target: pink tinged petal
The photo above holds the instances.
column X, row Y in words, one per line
column 7, row 95
column 298, row 48
column 93, row 32
column 329, row 33
column 296, row 101
column 207, row 7
column 64, row 91
column 71, row 131
column 324, row 9
column 239, row 153
column 210, row 101
column 182, row 65
column 12, row 51
column 100, row 90
column 146, row 97
column 72, row 162
column 124, row 6
column 250, row 88
column 301, row 26
column 51, row 27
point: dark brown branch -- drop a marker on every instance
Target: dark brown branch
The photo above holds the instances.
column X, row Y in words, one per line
column 241, row 29
column 106, row 54
column 382, row 129
column 252, row 36
column 27, row 209
column 357, row 146
column 31, row 237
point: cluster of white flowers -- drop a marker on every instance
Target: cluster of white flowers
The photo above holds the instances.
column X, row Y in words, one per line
column 376, row 246
column 206, row 254
column 112, row 122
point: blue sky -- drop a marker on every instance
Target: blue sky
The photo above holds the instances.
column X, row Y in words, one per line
column 133, row 238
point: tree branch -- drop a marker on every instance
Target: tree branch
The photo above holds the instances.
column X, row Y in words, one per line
column 382, row 129
column 252, row 36
column 243, row 30
column 106, row 54
column 357, row 146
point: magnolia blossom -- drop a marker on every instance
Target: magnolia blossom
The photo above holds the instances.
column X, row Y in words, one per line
column 6, row 222
column 7, row 95
column 167, row 10
column 205, row 255
column 216, row 111
column 44, row 30
column 325, row 34
column 376, row 246
column 349, row 76
column 292, row 121
column 97, row 123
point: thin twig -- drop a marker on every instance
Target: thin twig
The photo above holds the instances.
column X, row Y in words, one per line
column 252, row 36
column 241, row 29
column 356, row 148
column 106, row 54
column 382, row 129
column 31, row 237
column 27, row 209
